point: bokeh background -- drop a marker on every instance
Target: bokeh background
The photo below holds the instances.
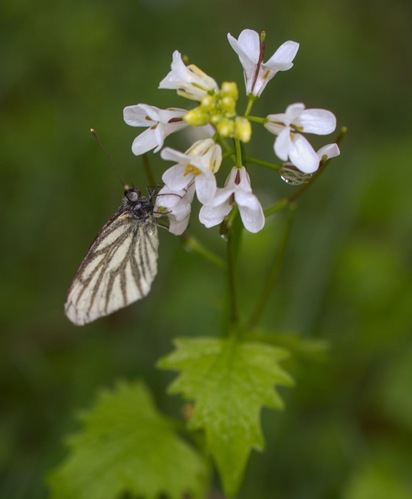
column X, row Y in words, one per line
column 67, row 66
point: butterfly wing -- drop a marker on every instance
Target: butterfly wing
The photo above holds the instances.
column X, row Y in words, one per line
column 118, row 269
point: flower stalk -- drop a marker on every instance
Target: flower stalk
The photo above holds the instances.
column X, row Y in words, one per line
column 192, row 244
column 232, row 229
column 274, row 272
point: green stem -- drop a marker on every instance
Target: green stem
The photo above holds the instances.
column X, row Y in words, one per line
column 273, row 274
column 260, row 162
column 257, row 119
column 231, row 229
column 238, row 150
column 250, row 102
column 193, row 244
column 284, row 202
column 279, row 206
column 342, row 132
column 228, row 150
column 231, row 280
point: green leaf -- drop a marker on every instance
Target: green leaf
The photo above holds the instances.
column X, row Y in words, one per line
column 230, row 382
column 127, row 447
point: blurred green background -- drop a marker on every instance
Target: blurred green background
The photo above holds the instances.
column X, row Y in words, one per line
column 67, row 66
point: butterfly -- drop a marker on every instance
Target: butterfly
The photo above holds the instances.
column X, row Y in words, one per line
column 120, row 265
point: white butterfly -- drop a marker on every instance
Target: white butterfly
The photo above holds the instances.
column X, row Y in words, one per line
column 120, row 265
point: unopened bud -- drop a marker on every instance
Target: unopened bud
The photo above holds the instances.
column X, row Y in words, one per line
column 243, row 129
column 229, row 89
column 208, row 103
column 196, row 117
column 228, row 105
column 215, row 119
column 225, row 127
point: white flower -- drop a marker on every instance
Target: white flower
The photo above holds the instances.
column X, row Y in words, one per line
column 176, row 205
column 291, row 144
column 162, row 122
column 189, row 81
column 237, row 189
column 199, row 163
column 250, row 52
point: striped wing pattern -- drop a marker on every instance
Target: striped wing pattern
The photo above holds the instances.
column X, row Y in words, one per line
column 118, row 269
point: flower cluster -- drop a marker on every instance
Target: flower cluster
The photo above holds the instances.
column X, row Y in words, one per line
column 194, row 171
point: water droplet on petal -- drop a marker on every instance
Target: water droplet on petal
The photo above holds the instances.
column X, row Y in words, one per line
column 292, row 176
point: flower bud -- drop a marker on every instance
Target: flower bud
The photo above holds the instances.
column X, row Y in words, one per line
column 243, row 129
column 225, row 127
column 196, row 117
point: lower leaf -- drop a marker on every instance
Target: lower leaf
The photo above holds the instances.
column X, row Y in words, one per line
column 230, row 382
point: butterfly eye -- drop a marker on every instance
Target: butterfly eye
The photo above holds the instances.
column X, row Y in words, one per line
column 132, row 195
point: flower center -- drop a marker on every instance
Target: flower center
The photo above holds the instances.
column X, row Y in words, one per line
column 190, row 169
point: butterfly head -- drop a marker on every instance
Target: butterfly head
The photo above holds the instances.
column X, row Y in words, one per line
column 131, row 194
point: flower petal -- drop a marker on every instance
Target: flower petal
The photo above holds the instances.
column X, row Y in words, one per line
column 251, row 211
column 145, row 142
column 162, row 122
column 138, row 116
column 283, row 144
column 205, row 187
column 330, row 151
column 168, row 198
column 170, row 154
column 189, row 81
column 275, row 123
column 201, row 147
column 210, row 216
column 175, row 178
column 177, row 227
column 293, row 111
column 159, row 133
column 221, row 196
column 244, row 182
column 176, row 206
column 282, row 59
column 318, row 121
column 171, row 114
column 302, row 155
column 247, row 46
column 177, row 74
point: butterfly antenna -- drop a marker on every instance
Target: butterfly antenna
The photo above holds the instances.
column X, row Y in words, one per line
column 148, row 170
column 108, row 156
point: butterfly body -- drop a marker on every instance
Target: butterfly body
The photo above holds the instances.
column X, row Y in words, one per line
column 120, row 264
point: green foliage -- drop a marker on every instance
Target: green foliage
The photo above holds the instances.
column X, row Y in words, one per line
column 393, row 393
column 379, row 478
column 230, row 382
column 127, row 446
